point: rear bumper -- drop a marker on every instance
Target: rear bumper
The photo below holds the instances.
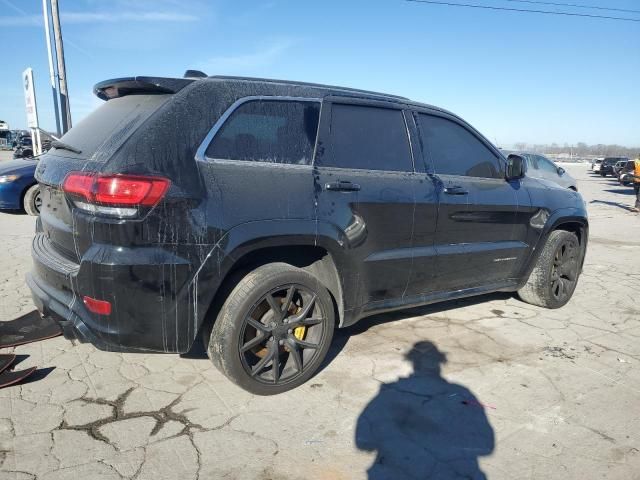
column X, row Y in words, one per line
column 154, row 307
column 50, row 305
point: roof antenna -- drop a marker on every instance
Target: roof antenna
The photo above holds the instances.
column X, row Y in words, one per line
column 194, row 74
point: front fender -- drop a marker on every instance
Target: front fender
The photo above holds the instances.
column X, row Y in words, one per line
column 562, row 216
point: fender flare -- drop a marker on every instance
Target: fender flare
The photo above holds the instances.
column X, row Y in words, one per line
column 556, row 219
column 249, row 237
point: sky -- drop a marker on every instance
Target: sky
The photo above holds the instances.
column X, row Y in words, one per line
column 516, row 77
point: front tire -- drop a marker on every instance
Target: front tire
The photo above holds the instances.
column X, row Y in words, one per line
column 32, row 200
column 274, row 329
column 555, row 276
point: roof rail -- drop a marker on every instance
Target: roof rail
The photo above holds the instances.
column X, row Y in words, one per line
column 307, row 84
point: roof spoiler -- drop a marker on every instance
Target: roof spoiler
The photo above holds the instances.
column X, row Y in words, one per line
column 119, row 87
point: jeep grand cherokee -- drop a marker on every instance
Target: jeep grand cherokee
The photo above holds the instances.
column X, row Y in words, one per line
column 260, row 214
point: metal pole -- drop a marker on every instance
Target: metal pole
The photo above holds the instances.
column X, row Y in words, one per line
column 65, row 111
column 52, row 72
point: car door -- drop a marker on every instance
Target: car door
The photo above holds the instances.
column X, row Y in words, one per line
column 482, row 219
column 367, row 191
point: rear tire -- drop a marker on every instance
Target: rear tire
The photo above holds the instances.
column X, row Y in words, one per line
column 274, row 329
column 555, row 276
column 32, row 200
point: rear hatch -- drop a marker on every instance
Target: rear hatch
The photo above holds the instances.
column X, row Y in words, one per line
column 88, row 147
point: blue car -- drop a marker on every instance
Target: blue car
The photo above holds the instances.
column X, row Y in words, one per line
column 18, row 189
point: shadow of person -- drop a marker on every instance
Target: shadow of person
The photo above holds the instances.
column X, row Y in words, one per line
column 424, row 427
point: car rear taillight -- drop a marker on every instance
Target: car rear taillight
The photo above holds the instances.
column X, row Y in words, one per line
column 114, row 195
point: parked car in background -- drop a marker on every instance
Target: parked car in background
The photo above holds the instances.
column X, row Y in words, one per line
column 282, row 210
column 23, row 147
column 595, row 165
column 18, row 187
column 619, row 167
column 5, row 135
column 606, row 168
column 626, row 174
column 539, row 166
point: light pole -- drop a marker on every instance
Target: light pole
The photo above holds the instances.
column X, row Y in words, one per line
column 52, row 72
column 65, row 110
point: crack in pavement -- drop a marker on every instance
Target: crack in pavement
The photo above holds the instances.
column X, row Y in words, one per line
column 161, row 417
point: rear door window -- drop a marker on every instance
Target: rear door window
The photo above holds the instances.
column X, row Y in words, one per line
column 454, row 150
column 270, row 131
column 368, row 138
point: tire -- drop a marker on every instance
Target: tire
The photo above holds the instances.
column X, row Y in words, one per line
column 32, row 201
column 253, row 327
column 555, row 275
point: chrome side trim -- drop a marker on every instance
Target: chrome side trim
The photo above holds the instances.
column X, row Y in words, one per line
column 200, row 153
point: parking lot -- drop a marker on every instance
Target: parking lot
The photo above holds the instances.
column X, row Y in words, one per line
column 486, row 386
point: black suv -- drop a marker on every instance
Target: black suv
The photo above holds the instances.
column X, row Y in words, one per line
column 608, row 164
column 261, row 214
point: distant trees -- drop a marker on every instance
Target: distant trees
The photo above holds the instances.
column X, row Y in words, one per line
column 581, row 149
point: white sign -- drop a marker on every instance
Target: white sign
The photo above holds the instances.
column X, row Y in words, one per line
column 30, row 98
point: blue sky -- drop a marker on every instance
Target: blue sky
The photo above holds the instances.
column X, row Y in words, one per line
column 516, row 77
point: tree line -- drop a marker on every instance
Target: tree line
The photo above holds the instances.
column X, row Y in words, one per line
column 581, row 149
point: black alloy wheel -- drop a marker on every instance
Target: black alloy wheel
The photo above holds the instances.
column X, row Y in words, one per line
column 282, row 334
column 274, row 329
column 564, row 271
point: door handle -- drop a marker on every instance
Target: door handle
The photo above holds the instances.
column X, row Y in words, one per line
column 342, row 186
column 455, row 190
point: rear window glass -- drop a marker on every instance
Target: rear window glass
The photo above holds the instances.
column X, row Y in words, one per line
column 105, row 129
column 271, row 131
column 368, row 138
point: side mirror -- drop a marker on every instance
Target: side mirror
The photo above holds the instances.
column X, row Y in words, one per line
column 515, row 167
column 561, row 171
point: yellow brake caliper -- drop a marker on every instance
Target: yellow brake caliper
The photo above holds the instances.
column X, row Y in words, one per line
column 301, row 331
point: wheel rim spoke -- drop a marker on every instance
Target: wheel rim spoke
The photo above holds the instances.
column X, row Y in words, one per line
column 305, row 311
column 257, row 368
column 254, row 342
column 287, row 301
column 275, row 306
column 275, row 368
column 295, row 354
column 257, row 325
column 309, row 322
column 303, row 344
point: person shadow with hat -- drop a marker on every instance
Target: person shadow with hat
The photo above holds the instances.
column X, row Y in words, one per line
column 423, row 426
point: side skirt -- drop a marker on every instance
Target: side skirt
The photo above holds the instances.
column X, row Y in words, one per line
column 390, row 305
